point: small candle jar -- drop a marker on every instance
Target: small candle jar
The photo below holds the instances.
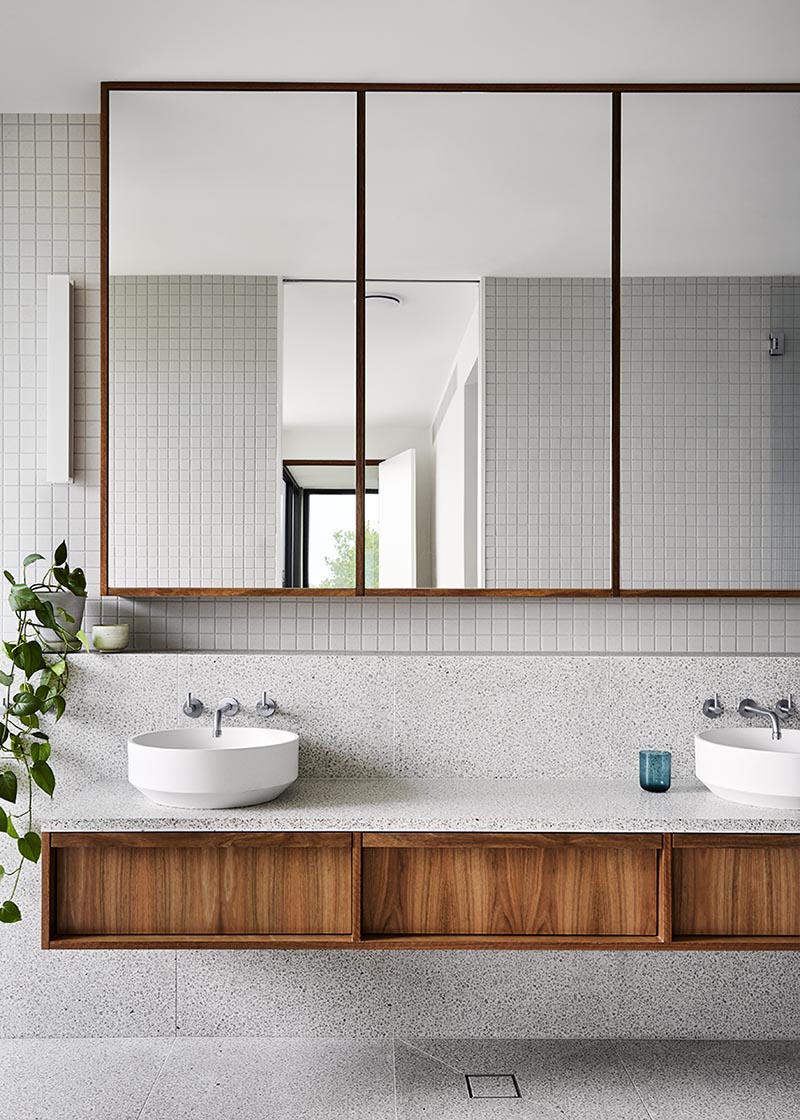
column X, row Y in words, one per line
column 111, row 638
column 655, row 771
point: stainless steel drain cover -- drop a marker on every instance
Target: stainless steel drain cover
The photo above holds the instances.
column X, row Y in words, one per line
column 484, row 1086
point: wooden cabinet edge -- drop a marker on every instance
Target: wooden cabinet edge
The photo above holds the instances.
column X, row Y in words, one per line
column 663, row 941
column 512, row 839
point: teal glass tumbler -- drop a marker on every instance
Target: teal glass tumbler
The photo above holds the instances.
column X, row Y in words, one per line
column 655, row 771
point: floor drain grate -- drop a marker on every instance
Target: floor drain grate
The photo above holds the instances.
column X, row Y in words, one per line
column 487, row 1086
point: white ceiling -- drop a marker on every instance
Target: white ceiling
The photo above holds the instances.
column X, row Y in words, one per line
column 53, row 54
column 411, row 350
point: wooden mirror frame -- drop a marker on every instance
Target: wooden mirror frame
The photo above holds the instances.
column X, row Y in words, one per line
column 616, row 92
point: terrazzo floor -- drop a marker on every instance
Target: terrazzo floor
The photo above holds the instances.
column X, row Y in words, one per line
column 408, row 1079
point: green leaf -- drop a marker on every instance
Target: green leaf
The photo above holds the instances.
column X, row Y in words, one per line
column 32, row 558
column 3, row 820
column 60, row 554
column 12, row 832
column 30, row 846
column 2, row 872
column 6, row 679
column 25, row 704
column 21, row 598
column 44, row 777
column 29, row 721
column 8, row 786
column 81, row 636
column 9, row 912
column 59, row 706
column 9, row 576
column 46, row 615
column 58, row 668
column 29, row 657
column 40, row 750
column 9, row 647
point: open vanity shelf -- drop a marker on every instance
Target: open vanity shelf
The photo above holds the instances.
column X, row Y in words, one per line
column 362, row 890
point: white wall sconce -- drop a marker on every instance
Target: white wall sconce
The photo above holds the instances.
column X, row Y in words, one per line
column 59, row 379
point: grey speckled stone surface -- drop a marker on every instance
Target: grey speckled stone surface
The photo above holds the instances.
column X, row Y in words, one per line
column 717, row 1080
column 430, row 804
column 272, row 1079
column 314, row 993
column 81, row 1079
column 341, row 707
column 557, row 1081
column 551, row 994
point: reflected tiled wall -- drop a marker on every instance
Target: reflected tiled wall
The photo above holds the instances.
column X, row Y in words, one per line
column 548, row 440
column 709, row 422
column 194, row 428
column 51, row 223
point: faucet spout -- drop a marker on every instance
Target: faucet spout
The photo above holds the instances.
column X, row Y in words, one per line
column 750, row 708
column 227, row 707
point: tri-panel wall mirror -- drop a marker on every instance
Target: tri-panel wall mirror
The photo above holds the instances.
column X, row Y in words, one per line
column 475, row 340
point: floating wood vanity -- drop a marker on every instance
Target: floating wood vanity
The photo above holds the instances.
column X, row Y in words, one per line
column 409, row 889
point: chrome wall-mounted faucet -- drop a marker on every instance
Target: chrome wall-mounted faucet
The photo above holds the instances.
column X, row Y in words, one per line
column 193, row 707
column 226, row 707
column 785, row 708
column 713, row 709
column 749, row 707
column 266, row 707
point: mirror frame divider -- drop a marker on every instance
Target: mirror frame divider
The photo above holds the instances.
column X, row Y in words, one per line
column 361, row 90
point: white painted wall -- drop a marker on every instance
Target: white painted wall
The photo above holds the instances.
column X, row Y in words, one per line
column 451, row 566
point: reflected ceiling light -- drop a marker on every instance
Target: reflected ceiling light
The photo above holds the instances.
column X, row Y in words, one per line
column 384, row 299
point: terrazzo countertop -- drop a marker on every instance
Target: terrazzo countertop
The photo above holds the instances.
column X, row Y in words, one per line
column 428, row 805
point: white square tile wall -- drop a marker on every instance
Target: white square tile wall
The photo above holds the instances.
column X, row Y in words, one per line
column 710, row 469
column 548, row 477
column 193, row 365
column 50, row 222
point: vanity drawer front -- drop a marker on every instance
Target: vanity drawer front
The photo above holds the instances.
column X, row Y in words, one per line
column 502, row 884
column 201, row 884
column 736, row 886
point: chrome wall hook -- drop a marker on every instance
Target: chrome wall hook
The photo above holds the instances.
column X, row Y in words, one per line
column 713, row 709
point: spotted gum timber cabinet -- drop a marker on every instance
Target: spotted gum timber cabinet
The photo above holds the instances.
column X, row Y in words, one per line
column 362, row 890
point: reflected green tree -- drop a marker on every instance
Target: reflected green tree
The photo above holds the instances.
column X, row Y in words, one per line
column 342, row 565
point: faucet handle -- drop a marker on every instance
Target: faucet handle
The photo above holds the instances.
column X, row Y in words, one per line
column 266, row 707
column 786, row 708
column 192, row 706
column 712, row 708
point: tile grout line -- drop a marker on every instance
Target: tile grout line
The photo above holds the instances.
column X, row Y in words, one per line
column 154, row 1082
column 629, row 1075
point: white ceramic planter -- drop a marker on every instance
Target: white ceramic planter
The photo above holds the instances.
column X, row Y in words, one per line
column 111, row 638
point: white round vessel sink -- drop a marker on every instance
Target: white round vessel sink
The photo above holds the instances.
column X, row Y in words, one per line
column 746, row 764
column 190, row 769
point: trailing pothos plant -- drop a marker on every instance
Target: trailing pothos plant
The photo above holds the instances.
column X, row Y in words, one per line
column 32, row 699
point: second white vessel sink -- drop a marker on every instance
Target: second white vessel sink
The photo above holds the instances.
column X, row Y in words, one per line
column 747, row 765
column 190, row 769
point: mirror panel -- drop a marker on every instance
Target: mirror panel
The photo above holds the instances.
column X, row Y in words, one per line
column 488, row 365
column 710, row 269
column 217, row 200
